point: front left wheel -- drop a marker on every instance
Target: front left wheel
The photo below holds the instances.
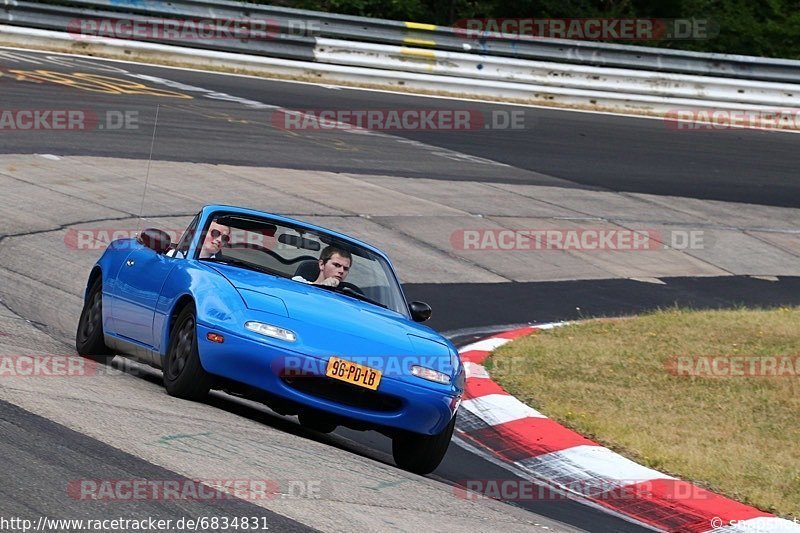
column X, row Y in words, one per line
column 184, row 375
column 421, row 454
column 317, row 421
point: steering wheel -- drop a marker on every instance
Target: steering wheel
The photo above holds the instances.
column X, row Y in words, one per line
column 351, row 286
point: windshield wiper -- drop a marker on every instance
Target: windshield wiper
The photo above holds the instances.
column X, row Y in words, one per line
column 238, row 262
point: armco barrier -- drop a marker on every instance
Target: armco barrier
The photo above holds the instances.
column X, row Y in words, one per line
column 412, row 62
column 332, row 73
column 555, row 75
column 65, row 19
column 391, row 32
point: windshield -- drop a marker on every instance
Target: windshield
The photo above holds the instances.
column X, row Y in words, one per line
column 288, row 251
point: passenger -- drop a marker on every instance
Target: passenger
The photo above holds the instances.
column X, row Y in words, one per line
column 216, row 237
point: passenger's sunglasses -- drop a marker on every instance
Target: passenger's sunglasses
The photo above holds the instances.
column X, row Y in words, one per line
column 216, row 233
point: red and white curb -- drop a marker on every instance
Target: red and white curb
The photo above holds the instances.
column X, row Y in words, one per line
column 498, row 423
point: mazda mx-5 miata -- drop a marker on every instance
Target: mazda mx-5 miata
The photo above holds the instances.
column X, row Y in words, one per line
column 309, row 321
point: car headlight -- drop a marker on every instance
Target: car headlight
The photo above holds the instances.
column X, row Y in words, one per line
column 271, row 331
column 430, row 374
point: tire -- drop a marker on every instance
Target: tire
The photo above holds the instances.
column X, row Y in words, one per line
column 421, row 454
column 184, row 376
column 89, row 340
column 316, row 421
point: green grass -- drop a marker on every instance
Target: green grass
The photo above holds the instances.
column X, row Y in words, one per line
column 609, row 380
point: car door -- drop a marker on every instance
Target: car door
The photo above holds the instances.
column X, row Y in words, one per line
column 137, row 289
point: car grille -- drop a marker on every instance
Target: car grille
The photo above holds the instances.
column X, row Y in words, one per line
column 344, row 393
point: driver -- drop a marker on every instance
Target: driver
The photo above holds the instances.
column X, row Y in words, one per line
column 334, row 264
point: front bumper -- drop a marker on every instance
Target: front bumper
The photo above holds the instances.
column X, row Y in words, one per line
column 396, row 403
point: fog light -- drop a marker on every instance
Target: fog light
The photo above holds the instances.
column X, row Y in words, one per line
column 430, row 374
column 271, row 331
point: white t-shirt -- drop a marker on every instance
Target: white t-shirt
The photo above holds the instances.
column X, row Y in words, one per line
column 180, row 255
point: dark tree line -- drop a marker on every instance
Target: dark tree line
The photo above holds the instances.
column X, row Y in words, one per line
column 769, row 28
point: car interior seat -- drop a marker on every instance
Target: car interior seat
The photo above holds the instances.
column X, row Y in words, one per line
column 308, row 269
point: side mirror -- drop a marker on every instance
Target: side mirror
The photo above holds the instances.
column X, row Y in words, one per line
column 155, row 239
column 420, row 311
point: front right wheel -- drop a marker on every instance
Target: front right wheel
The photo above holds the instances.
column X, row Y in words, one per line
column 89, row 339
column 421, row 454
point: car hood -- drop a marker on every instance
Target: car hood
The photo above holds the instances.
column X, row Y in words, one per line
column 329, row 323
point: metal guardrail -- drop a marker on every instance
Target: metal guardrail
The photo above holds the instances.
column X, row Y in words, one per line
column 558, row 75
column 407, row 62
column 59, row 18
column 398, row 33
column 601, row 96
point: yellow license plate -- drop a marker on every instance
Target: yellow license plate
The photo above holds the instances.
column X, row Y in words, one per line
column 360, row 375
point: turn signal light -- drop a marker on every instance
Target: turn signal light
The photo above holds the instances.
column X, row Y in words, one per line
column 215, row 337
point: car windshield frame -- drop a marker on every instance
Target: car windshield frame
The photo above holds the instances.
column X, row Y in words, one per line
column 300, row 243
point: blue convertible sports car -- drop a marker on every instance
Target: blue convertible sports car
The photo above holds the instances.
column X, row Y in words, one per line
column 309, row 321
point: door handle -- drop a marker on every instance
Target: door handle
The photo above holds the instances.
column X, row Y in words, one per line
column 130, row 262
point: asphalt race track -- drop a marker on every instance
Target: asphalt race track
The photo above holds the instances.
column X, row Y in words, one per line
column 572, row 149
column 121, row 424
column 519, row 303
column 40, row 455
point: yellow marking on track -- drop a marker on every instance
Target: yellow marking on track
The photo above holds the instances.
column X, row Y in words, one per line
column 93, row 83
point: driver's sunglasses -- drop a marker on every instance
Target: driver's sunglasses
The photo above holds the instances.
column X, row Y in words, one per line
column 216, row 233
